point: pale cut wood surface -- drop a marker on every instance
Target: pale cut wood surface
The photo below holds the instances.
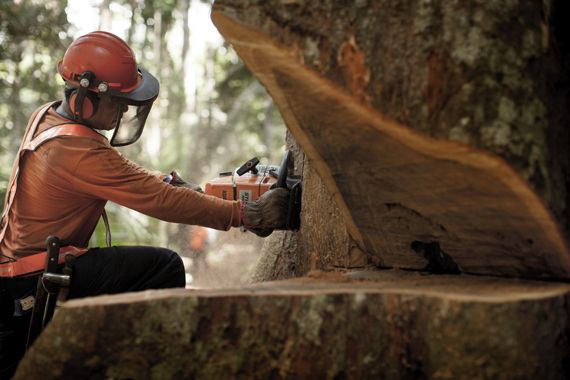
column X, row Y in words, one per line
column 396, row 186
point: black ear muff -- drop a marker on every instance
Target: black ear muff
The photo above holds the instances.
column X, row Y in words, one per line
column 83, row 107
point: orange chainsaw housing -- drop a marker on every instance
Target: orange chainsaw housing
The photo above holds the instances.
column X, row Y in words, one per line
column 247, row 187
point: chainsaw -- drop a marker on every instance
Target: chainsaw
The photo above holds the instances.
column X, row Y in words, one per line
column 252, row 180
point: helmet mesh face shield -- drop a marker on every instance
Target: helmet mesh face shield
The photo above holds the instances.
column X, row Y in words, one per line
column 137, row 104
column 131, row 125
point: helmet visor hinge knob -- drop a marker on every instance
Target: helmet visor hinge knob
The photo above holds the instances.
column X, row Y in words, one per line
column 86, row 78
column 103, row 87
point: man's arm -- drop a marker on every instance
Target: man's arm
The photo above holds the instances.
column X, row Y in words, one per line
column 104, row 173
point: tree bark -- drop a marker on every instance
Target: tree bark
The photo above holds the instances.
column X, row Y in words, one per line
column 491, row 75
column 322, row 243
column 400, row 325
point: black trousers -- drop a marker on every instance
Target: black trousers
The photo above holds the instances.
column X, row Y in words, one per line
column 99, row 271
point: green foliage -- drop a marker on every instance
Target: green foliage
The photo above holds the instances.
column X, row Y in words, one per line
column 164, row 7
column 33, row 37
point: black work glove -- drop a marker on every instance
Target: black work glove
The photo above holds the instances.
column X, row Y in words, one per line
column 175, row 180
column 267, row 213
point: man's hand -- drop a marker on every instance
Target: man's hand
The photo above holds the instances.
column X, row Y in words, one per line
column 175, row 180
column 267, row 213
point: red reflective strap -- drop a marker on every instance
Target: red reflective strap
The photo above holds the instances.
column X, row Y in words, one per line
column 75, row 130
column 11, row 189
column 36, row 263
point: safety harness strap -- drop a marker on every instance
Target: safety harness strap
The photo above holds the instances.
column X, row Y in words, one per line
column 36, row 263
column 75, row 130
column 11, row 190
column 33, row 263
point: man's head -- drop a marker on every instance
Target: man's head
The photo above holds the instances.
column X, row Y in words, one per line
column 105, row 88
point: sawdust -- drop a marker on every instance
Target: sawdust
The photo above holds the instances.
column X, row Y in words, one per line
column 229, row 261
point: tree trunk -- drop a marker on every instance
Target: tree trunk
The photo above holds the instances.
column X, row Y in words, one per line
column 491, row 75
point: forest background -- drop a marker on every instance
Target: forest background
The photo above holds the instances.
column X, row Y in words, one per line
column 211, row 114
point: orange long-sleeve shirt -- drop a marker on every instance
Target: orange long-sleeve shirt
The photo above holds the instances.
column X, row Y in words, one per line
column 64, row 184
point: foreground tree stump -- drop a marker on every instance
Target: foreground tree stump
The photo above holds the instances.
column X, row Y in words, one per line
column 390, row 325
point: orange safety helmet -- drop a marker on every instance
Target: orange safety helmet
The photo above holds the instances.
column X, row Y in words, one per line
column 102, row 64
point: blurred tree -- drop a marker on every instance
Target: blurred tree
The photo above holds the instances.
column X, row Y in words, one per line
column 33, row 35
column 247, row 121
